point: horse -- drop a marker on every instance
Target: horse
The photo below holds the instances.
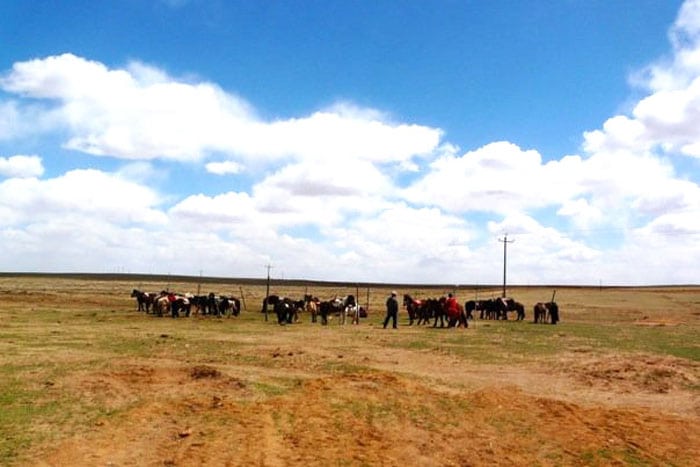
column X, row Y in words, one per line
column 228, row 306
column 338, row 306
column 519, row 311
column 470, row 306
column 495, row 308
column 286, row 309
column 311, row 306
column 161, row 304
column 553, row 311
column 412, row 308
column 540, row 312
column 429, row 308
column 439, row 312
column 144, row 300
column 325, row 308
column 342, row 306
column 454, row 312
column 356, row 311
column 179, row 303
column 269, row 300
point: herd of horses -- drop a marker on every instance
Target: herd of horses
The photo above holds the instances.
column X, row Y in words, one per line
column 287, row 310
column 437, row 309
column 445, row 311
column 169, row 303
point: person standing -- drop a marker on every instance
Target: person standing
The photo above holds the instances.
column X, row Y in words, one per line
column 392, row 310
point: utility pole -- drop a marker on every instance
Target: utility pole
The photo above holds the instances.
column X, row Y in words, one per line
column 267, row 288
column 505, row 242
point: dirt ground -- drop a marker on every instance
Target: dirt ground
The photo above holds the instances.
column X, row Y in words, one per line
column 308, row 395
column 495, row 416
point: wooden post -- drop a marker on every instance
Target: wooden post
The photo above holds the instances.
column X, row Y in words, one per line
column 245, row 307
column 267, row 290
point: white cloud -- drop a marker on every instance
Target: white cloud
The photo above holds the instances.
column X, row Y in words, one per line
column 668, row 119
column 581, row 213
column 224, row 211
column 78, row 195
column 499, row 177
column 142, row 113
column 21, row 166
column 224, row 168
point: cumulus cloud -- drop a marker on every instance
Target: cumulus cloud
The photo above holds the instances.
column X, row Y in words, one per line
column 668, row 119
column 140, row 112
column 21, row 166
column 499, row 177
column 78, row 195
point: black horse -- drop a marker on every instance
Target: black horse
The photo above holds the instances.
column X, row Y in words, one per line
column 337, row 306
column 286, row 309
column 412, row 308
column 553, row 309
column 180, row 304
column 470, row 306
column 144, row 300
column 429, row 308
column 494, row 308
column 228, row 306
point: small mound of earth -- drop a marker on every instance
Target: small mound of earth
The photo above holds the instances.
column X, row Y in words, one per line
column 204, row 371
column 643, row 373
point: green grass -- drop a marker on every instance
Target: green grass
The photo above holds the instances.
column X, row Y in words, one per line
column 496, row 341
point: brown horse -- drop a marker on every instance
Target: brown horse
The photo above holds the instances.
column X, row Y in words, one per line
column 311, row 306
column 541, row 312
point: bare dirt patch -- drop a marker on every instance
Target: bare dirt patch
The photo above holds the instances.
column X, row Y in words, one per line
column 373, row 418
column 630, row 374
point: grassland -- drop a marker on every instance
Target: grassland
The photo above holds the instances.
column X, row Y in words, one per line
column 85, row 379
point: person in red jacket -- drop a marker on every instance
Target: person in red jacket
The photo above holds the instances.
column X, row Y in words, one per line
column 451, row 305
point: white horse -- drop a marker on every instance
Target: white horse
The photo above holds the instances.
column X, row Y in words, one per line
column 344, row 306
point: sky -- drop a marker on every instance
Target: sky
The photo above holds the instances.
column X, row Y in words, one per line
column 398, row 141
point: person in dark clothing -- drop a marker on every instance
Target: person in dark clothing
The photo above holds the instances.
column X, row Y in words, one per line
column 392, row 310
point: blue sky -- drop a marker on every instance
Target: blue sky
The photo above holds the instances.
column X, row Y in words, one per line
column 387, row 141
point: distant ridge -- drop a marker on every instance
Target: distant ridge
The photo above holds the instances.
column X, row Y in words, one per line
column 138, row 277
